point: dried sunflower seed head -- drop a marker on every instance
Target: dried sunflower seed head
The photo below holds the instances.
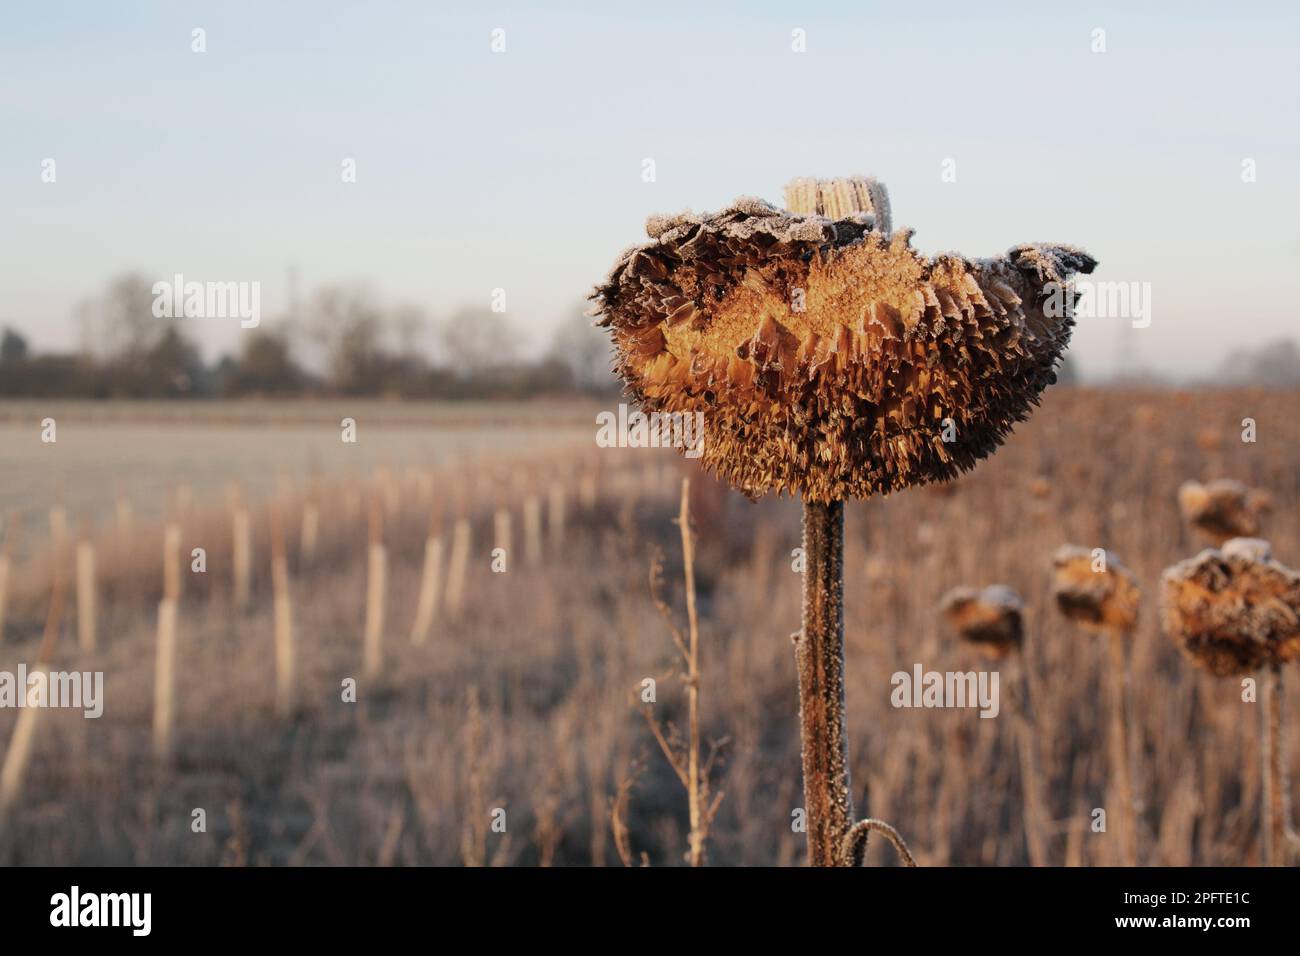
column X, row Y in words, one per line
column 1222, row 509
column 991, row 619
column 1233, row 610
column 829, row 358
column 1102, row 597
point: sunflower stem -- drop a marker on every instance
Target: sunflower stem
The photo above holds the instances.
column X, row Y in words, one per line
column 1023, row 716
column 1276, row 808
column 1119, row 748
column 819, row 657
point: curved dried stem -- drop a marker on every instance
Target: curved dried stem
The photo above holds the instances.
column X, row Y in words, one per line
column 853, row 848
column 618, row 813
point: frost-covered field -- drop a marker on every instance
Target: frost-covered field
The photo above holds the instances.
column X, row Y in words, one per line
column 150, row 450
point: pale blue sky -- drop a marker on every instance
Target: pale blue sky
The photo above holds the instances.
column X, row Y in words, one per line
column 522, row 170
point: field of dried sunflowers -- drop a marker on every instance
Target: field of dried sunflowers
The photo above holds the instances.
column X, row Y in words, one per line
column 517, row 732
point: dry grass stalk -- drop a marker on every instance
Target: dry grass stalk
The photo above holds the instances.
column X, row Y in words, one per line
column 283, row 611
column 992, row 620
column 1101, row 595
column 474, row 836
column 532, row 531
column 376, row 591
column 694, row 773
column 86, row 622
column 548, row 830
column 1222, row 509
column 473, row 844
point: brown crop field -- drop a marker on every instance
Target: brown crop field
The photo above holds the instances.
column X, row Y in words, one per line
column 287, row 705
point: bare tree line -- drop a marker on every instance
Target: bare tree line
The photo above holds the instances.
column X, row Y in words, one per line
column 345, row 340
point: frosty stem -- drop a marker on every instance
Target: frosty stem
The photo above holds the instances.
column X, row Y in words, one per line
column 819, row 656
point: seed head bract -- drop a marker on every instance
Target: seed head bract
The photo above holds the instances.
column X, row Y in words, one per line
column 829, row 358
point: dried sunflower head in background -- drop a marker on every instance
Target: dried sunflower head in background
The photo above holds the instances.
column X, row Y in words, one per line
column 991, row 619
column 829, row 358
column 1233, row 610
column 1222, row 509
column 1104, row 601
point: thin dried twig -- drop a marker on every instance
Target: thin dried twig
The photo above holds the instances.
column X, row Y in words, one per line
column 618, row 812
column 695, row 776
column 656, row 595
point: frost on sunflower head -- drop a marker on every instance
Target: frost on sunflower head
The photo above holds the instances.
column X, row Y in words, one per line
column 829, row 358
column 1233, row 610
column 1095, row 590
